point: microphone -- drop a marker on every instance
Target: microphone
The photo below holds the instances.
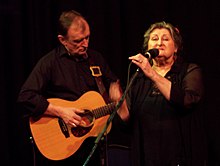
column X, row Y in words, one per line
column 152, row 53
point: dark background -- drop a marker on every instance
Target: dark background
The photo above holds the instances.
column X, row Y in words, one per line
column 28, row 31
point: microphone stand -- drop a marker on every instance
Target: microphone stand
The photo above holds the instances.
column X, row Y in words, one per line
column 118, row 105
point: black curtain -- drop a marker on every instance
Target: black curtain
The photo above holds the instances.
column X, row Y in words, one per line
column 28, row 31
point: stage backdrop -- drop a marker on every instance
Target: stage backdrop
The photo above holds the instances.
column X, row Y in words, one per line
column 28, row 31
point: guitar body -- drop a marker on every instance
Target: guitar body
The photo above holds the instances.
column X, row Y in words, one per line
column 50, row 139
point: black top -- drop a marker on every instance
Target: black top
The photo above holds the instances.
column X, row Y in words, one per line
column 168, row 133
column 58, row 75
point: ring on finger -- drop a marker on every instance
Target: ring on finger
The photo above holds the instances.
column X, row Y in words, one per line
column 73, row 124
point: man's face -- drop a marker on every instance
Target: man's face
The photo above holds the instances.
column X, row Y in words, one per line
column 77, row 39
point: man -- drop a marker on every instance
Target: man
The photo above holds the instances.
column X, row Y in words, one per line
column 68, row 72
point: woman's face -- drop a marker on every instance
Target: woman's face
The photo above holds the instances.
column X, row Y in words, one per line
column 162, row 40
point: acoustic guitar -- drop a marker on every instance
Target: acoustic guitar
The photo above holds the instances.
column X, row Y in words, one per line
column 57, row 140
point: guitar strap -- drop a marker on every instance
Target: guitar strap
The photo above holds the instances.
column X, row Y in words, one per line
column 97, row 74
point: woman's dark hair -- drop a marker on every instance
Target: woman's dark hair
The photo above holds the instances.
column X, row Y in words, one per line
column 174, row 32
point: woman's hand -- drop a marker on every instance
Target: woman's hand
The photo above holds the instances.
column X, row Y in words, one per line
column 143, row 63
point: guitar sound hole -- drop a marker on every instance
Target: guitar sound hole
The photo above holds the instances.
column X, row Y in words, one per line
column 86, row 124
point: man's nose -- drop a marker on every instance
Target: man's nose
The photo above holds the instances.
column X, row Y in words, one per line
column 85, row 42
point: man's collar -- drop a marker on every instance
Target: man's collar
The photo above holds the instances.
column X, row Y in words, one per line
column 77, row 58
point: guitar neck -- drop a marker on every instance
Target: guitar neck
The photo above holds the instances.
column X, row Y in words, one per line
column 105, row 110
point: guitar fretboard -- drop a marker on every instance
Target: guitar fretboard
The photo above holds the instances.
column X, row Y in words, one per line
column 105, row 110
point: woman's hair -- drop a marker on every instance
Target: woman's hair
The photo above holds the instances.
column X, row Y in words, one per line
column 66, row 19
column 174, row 32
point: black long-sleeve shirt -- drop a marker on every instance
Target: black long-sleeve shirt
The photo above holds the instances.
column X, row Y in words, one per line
column 169, row 132
column 58, row 75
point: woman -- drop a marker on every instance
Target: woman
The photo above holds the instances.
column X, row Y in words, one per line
column 163, row 104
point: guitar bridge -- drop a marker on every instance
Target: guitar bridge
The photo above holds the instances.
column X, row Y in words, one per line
column 63, row 127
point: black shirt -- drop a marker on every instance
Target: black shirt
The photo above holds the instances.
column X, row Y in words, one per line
column 58, row 75
column 168, row 132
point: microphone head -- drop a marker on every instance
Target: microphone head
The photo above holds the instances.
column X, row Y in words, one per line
column 152, row 53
